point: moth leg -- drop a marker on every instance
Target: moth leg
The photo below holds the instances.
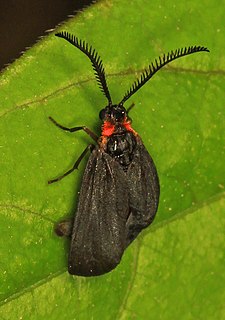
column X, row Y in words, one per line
column 130, row 107
column 76, row 164
column 64, row 228
column 85, row 129
column 128, row 110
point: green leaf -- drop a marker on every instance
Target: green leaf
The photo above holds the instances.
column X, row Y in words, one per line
column 175, row 269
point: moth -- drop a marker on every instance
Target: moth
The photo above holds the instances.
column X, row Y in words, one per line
column 120, row 190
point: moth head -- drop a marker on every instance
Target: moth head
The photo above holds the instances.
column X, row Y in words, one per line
column 114, row 113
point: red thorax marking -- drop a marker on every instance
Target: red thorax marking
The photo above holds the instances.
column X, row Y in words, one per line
column 108, row 128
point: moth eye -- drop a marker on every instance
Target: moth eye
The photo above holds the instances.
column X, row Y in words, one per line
column 102, row 114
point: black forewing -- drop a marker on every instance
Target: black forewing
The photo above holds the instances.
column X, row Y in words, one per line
column 98, row 237
column 143, row 184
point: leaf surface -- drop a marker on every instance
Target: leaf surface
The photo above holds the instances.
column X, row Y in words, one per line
column 175, row 269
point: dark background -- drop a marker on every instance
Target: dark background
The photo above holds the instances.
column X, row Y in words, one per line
column 23, row 21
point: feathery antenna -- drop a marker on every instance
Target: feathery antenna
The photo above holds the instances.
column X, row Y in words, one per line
column 95, row 60
column 157, row 65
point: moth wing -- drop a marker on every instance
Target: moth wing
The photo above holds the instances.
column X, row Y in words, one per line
column 98, row 237
column 144, row 190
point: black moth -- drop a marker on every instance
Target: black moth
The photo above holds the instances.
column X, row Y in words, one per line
column 119, row 195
